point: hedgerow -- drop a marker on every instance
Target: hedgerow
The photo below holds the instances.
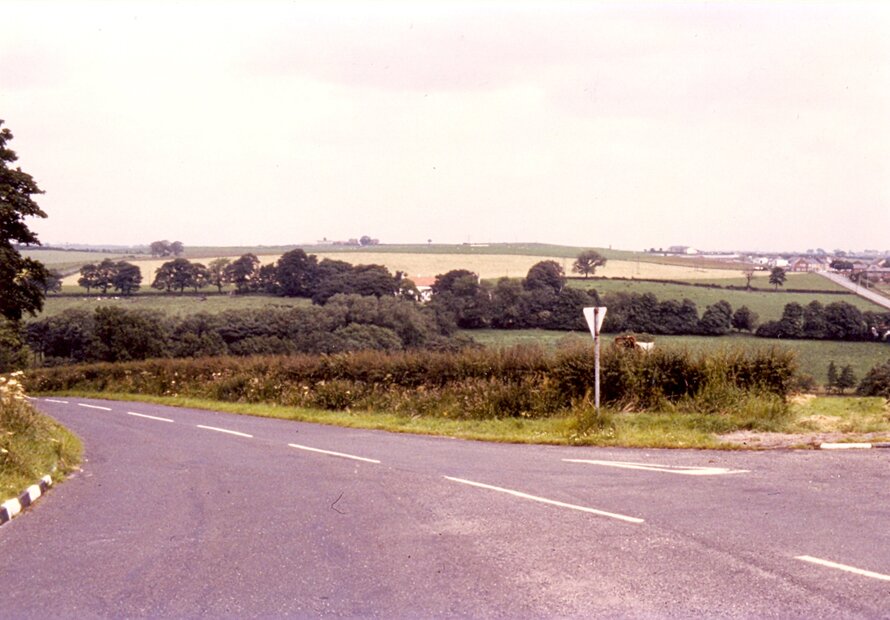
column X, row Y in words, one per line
column 476, row 384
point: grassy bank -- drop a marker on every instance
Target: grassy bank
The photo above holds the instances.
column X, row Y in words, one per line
column 31, row 445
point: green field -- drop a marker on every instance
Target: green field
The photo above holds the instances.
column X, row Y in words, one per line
column 812, row 355
column 769, row 305
column 173, row 305
column 71, row 260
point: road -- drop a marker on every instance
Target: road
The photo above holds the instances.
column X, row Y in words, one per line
column 859, row 290
column 176, row 515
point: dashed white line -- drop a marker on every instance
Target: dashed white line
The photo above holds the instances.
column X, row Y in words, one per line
column 843, row 567
column 666, row 469
column 331, row 453
column 224, row 430
column 93, row 407
column 150, row 417
column 544, row 500
column 59, row 402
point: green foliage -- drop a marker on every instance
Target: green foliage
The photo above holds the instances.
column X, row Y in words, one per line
column 587, row 262
column 22, row 279
column 847, row 379
column 31, row 445
column 831, row 383
column 777, row 277
column 522, row 382
column 14, row 354
column 744, row 319
column 716, row 320
column 876, row 382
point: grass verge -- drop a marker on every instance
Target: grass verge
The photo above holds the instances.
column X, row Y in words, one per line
column 31, row 446
column 659, row 429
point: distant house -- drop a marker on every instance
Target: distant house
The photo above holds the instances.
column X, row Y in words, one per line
column 681, row 249
column 801, row 264
column 424, row 286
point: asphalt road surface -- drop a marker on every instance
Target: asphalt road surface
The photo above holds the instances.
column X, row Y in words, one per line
column 859, row 290
column 188, row 513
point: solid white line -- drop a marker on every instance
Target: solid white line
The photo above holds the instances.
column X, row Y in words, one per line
column 666, row 469
column 223, row 430
column 60, row 402
column 150, row 417
column 844, row 567
column 94, row 407
column 329, row 452
column 547, row 501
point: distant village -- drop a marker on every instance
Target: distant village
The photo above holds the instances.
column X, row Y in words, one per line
column 874, row 263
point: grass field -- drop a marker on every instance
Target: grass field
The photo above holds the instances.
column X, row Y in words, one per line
column 766, row 303
column 488, row 266
column 173, row 305
column 813, row 356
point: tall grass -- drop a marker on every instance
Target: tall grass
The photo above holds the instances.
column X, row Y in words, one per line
column 31, row 445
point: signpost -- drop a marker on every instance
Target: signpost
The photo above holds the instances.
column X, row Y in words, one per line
column 594, row 317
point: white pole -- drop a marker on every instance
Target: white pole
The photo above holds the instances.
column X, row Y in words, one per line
column 596, row 362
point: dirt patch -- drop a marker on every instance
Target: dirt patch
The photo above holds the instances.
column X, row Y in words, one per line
column 771, row 441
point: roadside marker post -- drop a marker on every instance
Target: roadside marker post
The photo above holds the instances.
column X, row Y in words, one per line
column 594, row 317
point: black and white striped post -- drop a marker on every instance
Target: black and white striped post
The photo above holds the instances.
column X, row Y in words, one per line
column 594, row 317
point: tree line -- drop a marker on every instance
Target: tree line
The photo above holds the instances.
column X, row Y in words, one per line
column 345, row 323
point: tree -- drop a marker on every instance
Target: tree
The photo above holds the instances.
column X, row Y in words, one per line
column 744, row 319
column 847, row 379
column 296, row 273
column 89, row 277
column 53, row 282
column 127, row 278
column 105, row 272
column 716, row 319
column 547, row 274
column 21, row 278
column 217, row 272
column 748, row 272
column 777, row 277
column 179, row 274
column 587, row 262
column 176, row 248
column 832, row 376
column 243, row 272
column 160, row 248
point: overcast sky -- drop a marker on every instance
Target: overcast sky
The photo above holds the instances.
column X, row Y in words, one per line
column 633, row 125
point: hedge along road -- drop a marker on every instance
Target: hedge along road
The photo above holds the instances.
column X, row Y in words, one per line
column 192, row 513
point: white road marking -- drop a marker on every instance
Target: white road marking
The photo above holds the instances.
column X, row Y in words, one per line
column 544, row 500
column 666, row 469
column 330, row 453
column 150, row 417
column 93, row 407
column 60, row 402
column 224, row 430
column 844, row 567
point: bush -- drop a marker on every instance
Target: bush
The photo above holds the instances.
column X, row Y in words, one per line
column 876, row 382
column 474, row 383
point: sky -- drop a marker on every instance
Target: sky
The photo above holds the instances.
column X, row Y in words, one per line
column 717, row 125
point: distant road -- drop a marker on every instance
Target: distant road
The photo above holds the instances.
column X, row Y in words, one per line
column 859, row 290
column 186, row 513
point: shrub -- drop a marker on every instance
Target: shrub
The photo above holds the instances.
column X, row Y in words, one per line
column 876, row 382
